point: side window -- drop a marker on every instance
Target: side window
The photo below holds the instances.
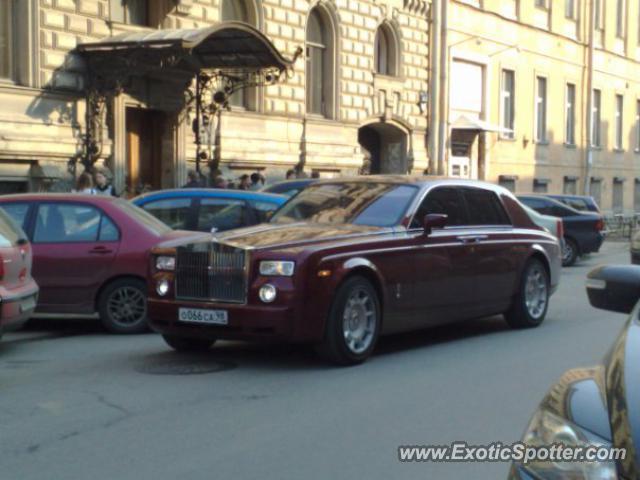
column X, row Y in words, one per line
column 108, row 231
column 221, row 214
column 66, row 223
column 17, row 211
column 484, row 207
column 10, row 232
column 263, row 210
column 174, row 212
column 534, row 203
column 442, row 200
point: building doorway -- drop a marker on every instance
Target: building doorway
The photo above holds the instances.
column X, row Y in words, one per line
column 144, row 150
column 384, row 148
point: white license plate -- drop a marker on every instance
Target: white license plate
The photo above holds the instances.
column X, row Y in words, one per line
column 28, row 304
column 196, row 315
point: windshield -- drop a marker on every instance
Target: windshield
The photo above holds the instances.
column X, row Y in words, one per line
column 359, row 203
column 146, row 219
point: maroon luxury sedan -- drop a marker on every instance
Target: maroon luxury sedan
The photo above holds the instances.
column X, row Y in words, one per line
column 90, row 255
column 346, row 261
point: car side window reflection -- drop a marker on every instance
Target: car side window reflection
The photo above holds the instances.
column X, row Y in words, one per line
column 221, row 214
column 108, row 231
column 445, row 201
column 57, row 223
column 17, row 211
column 174, row 212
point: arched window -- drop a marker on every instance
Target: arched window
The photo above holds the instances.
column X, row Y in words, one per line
column 386, row 51
column 239, row 11
column 320, row 63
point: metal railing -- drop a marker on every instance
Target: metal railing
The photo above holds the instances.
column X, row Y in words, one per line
column 621, row 226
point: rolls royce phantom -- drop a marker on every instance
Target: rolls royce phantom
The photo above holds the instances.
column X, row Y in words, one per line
column 348, row 260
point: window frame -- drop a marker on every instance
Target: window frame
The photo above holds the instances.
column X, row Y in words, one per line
column 541, row 135
column 116, row 4
column 511, row 94
column 570, row 11
column 570, row 114
column 329, row 87
column 618, row 124
column 621, row 19
column 11, row 41
column 595, row 137
column 496, row 200
column 191, row 209
column 637, row 126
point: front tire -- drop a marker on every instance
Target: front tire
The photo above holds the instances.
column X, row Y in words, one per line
column 182, row 344
column 570, row 252
column 530, row 305
column 353, row 324
column 123, row 306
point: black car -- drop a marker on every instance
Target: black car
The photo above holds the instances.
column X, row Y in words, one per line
column 289, row 188
column 597, row 406
column 583, row 231
column 582, row 203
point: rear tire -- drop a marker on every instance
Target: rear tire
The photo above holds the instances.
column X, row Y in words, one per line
column 353, row 323
column 569, row 252
column 182, row 344
column 531, row 303
column 123, row 306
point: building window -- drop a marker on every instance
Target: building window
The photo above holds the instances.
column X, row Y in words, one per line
column 621, row 16
column 618, row 195
column 598, row 5
column 237, row 10
column 570, row 115
column 319, row 65
column 540, row 185
column 131, row 12
column 542, row 4
column 638, row 126
column 595, row 189
column 619, row 121
column 6, row 38
column 570, row 186
column 596, row 126
column 508, row 182
column 386, row 51
column 541, row 110
column 507, row 95
column 636, row 196
column 570, row 9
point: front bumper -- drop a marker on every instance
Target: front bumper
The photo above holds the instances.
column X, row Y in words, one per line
column 17, row 306
column 245, row 322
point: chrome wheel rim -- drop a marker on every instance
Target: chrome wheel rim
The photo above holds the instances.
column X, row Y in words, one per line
column 127, row 306
column 359, row 321
column 535, row 293
column 567, row 251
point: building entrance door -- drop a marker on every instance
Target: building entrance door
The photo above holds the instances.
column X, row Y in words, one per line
column 144, row 150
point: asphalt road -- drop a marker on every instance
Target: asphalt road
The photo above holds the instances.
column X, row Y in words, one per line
column 76, row 403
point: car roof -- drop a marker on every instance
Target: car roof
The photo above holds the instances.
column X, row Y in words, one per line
column 70, row 196
column 295, row 182
column 550, row 200
column 211, row 193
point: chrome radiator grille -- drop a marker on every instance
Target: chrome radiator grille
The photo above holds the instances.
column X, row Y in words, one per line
column 211, row 271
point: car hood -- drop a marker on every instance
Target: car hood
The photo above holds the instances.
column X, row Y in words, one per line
column 175, row 238
column 279, row 236
column 606, row 400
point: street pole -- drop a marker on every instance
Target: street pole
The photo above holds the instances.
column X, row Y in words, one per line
column 444, row 87
column 434, row 88
column 588, row 161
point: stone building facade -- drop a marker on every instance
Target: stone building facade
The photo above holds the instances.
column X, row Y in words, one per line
column 559, row 116
column 356, row 98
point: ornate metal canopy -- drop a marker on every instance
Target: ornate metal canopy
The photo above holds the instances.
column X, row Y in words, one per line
column 224, row 58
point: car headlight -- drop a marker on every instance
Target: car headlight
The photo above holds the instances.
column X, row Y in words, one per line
column 547, row 429
column 277, row 268
column 165, row 263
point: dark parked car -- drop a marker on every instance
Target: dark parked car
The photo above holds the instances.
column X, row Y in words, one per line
column 90, row 254
column 289, row 187
column 583, row 231
column 345, row 261
column 582, row 203
column 208, row 209
column 599, row 406
column 18, row 289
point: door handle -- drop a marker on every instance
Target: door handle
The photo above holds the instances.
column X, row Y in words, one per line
column 472, row 238
column 100, row 250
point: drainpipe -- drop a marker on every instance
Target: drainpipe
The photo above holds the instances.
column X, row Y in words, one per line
column 588, row 160
column 433, row 87
column 443, row 114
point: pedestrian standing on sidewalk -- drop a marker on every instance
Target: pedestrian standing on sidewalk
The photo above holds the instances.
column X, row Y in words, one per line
column 103, row 185
column 245, row 182
column 220, row 182
column 84, row 184
column 193, row 180
column 257, row 181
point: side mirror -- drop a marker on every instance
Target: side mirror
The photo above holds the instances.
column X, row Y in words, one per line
column 614, row 287
column 433, row 220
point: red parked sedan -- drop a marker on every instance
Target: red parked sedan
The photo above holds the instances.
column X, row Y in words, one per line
column 90, row 254
column 18, row 290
